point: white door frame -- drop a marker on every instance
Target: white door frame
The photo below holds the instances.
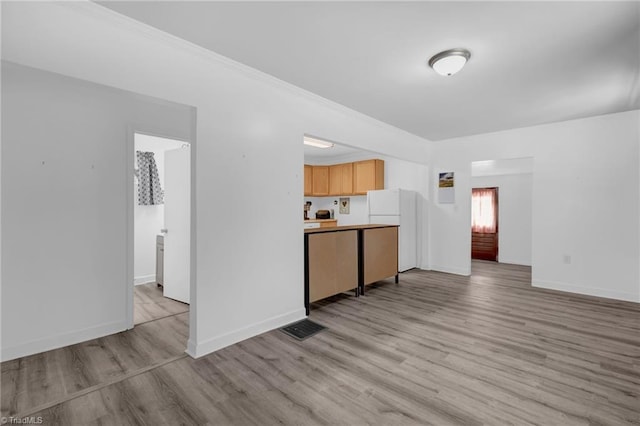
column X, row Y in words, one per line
column 129, row 250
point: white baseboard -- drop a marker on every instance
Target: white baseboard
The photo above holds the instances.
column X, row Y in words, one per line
column 588, row 291
column 449, row 270
column 144, row 279
column 515, row 262
column 208, row 346
column 61, row 340
column 417, row 268
column 191, row 348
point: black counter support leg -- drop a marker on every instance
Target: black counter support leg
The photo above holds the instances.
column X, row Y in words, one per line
column 361, row 261
column 306, row 273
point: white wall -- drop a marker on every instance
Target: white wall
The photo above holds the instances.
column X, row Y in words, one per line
column 249, row 264
column 585, row 202
column 148, row 220
column 515, row 195
column 64, row 205
column 358, row 213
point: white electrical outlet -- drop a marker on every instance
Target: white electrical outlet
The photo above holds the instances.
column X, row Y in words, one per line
column 567, row 259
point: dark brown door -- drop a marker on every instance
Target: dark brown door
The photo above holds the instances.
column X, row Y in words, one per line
column 484, row 223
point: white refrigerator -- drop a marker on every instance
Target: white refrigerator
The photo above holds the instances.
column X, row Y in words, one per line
column 397, row 207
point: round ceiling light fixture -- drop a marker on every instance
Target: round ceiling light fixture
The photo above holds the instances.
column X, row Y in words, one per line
column 450, row 61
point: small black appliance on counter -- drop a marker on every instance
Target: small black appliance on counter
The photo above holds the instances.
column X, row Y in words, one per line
column 323, row 214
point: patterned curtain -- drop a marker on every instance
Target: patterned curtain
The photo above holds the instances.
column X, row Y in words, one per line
column 149, row 191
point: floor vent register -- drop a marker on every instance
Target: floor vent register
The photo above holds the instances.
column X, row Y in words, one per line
column 303, row 329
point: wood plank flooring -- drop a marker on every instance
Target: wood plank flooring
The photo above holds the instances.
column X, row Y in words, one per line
column 150, row 304
column 434, row 349
column 52, row 376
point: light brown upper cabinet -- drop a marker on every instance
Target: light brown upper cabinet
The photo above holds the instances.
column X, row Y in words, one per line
column 320, row 180
column 368, row 175
column 308, row 180
column 341, row 179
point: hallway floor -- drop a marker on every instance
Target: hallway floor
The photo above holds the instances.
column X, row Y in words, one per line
column 150, row 304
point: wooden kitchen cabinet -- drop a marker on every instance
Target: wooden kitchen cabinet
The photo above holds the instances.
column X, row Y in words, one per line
column 332, row 263
column 380, row 247
column 335, row 179
column 308, row 180
column 320, row 180
column 347, row 178
column 341, row 179
column 368, row 175
column 345, row 257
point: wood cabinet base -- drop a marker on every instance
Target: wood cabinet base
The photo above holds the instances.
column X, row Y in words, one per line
column 347, row 258
column 332, row 263
column 380, row 253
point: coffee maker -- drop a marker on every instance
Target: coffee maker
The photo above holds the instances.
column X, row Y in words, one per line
column 307, row 207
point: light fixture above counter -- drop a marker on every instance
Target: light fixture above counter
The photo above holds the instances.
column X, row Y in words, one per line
column 317, row 143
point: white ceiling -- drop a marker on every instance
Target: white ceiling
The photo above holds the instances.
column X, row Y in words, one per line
column 531, row 62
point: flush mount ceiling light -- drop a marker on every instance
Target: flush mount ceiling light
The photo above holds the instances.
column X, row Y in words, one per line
column 317, row 142
column 450, row 61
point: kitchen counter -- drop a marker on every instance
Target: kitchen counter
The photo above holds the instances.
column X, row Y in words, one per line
column 320, row 223
column 344, row 258
column 347, row 228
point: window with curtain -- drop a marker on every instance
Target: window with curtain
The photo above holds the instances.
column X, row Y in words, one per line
column 149, row 191
column 484, row 212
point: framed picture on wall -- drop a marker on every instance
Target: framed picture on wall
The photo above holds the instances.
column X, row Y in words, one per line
column 445, row 180
column 344, row 205
column 446, row 190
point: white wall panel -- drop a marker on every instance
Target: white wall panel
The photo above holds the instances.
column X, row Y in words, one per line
column 64, row 205
column 585, row 202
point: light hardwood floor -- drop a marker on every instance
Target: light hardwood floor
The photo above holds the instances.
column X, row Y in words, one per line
column 150, row 304
column 434, row 349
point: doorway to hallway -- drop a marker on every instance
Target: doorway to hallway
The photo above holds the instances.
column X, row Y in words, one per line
column 161, row 227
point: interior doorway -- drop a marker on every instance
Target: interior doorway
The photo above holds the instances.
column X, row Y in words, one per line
column 484, row 224
column 161, row 227
column 511, row 240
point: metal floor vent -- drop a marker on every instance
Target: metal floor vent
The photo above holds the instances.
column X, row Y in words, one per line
column 302, row 329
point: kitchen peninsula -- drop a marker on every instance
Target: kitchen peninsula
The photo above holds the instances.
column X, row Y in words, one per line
column 320, row 223
column 344, row 258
